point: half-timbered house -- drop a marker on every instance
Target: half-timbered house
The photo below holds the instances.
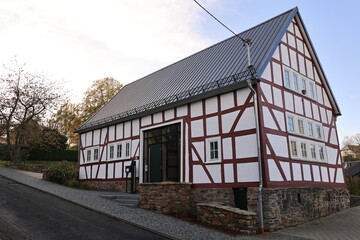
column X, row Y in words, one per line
column 199, row 121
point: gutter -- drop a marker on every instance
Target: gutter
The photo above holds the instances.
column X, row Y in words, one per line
column 260, row 200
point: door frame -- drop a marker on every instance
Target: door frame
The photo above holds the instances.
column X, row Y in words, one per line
column 142, row 130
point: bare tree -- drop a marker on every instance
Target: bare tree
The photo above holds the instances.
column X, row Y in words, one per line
column 356, row 139
column 25, row 96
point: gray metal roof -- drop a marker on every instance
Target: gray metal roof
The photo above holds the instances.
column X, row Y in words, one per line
column 205, row 72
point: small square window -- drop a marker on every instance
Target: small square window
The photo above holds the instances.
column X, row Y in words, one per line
column 291, row 127
column 213, row 150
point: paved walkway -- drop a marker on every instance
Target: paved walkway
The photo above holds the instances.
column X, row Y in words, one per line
column 343, row 225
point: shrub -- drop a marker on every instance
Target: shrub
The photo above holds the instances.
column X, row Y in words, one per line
column 64, row 173
column 353, row 185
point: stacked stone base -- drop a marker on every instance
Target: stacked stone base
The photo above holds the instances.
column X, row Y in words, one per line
column 231, row 218
column 285, row 207
column 119, row 186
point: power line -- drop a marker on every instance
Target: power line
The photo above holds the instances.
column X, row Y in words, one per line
column 242, row 39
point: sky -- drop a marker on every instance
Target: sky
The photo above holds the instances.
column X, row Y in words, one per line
column 79, row 41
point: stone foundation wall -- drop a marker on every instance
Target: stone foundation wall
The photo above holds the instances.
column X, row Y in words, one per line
column 119, row 186
column 203, row 195
column 291, row 206
column 165, row 197
column 227, row 217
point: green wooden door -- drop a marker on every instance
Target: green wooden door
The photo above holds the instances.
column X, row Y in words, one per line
column 155, row 162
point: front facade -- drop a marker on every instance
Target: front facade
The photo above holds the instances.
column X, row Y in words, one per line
column 210, row 140
column 352, row 151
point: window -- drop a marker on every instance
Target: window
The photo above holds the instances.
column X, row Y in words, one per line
column 311, row 89
column 318, row 131
column 119, row 151
column 96, row 154
column 127, row 149
column 111, row 152
column 287, row 78
column 293, row 149
column 321, row 153
column 303, row 150
column 313, row 151
column 301, row 126
column 88, row 155
column 295, row 80
column 310, row 129
column 291, row 124
column 213, row 150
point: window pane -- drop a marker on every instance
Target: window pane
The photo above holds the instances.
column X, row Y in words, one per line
column 88, row 155
column 303, row 84
column 301, row 126
column 111, row 152
column 214, row 152
column 318, row 131
column 296, row 86
column 291, row 124
column 310, row 129
column 96, row 154
column 119, row 151
column 321, row 153
column 311, row 89
column 303, row 150
column 313, row 151
column 287, row 78
column 293, row 149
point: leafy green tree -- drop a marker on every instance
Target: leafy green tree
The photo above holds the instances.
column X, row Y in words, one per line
column 100, row 92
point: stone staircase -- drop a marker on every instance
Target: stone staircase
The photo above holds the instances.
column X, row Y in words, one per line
column 124, row 199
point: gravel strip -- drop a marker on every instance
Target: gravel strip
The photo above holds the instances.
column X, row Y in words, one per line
column 159, row 223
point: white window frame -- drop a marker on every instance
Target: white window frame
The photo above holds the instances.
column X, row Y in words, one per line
column 88, row 155
column 292, row 150
column 288, row 117
column 113, row 152
column 295, row 83
column 117, row 151
column 127, row 153
column 309, row 156
column 208, row 150
column 299, row 83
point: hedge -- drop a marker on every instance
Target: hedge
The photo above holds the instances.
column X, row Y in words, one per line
column 53, row 155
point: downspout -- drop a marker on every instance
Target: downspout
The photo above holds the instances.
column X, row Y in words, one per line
column 260, row 200
column 247, row 43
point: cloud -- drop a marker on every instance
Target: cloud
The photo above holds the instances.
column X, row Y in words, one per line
column 81, row 41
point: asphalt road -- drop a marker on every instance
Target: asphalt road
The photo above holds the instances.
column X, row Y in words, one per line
column 26, row 213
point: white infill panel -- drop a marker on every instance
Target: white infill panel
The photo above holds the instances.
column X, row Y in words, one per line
column 215, row 172
column 187, row 170
column 316, row 173
column 83, row 139
column 315, row 109
column 134, row 148
column 227, row 101
column 127, row 129
column 103, row 135
column 289, row 103
column 199, row 175
column 331, row 155
column 119, row 131
column 274, row 172
column 196, row 109
column 326, row 99
column 102, row 171
column 307, row 108
column 266, row 88
column 88, row 171
column 277, row 74
column 88, row 140
column 135, row 127
column 329, row 116
column 267, row 72
column 82, row 174
column 296, row 167
column 247, row 120
column 298, row 105
column 302, row 64
column 211, row 105
column 110, row 171
column 169, row 114
column 280, row 117
column 146, row 120
column 276, row 54
column 111, row 133
column 246, row 146
column 339, row 176
column 332, row 174
column 248, row 172
column 285, row 55
column 268, row 119
column 278, row 101
column 323, row 115
column 94, row 171
column 291, row 41
column 212, row 126
column 96, row 137
column 181, row 111
column 293, row 59
column 197, row 128
column 227, row 121
column 242, row 95
column 326, row 133
column 103, row 156
column 229, row 173
column 227, row 148
column 324, row 174
column 199, row 146
column 307, row 172
column 319, row 94
column 279, row 144
column 158, row 117
column 118, row 170
column 286, row 169
column 300, row 46
column 309, row 69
